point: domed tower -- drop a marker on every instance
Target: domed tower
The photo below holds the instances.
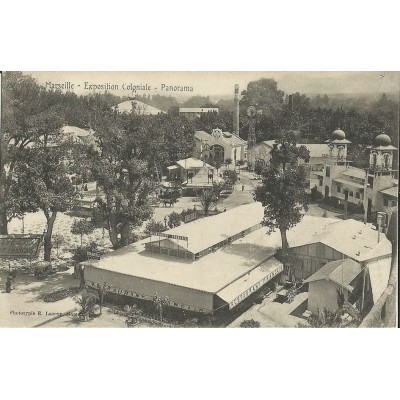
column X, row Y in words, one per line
column 381, row 154
column 338, row 146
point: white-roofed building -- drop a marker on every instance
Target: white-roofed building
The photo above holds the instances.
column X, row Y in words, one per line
column 220, row 145
column 192, row 113
column 336, row 277
column 192, row 173
column 137, row 107
column 363, row 187
column 212, row 263
column 316, row 241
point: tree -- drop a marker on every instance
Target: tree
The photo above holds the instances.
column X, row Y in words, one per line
column 264, row 94
column 209, row 197
column 240, row 163
column 23, row 102
column 174, row 219
column 230, row 177
column 282, row 190
column 196, row 101
column 216, row 163
column 153, row 227
column 130, row 148
column 258, row 168
column 228, row 162
column 40, row 179
column 82, row 227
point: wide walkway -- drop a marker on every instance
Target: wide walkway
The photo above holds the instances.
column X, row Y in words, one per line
column 273, row 314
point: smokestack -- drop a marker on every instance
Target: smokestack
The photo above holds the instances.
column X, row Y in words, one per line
column 290, row 102
column 236, row 111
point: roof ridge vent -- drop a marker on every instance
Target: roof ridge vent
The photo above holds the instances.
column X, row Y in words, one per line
column 358, row 253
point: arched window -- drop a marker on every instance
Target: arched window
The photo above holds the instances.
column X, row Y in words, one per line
column 218, row 152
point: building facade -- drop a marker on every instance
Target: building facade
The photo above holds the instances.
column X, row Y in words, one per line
column 220, row 145
column 371, row 188
column 202, row 266
column 192, row 113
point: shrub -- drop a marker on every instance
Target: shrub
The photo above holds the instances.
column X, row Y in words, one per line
column 80, row 253
column 250, row 323
column 315, row 194
column 230, row 177
column 86, row 301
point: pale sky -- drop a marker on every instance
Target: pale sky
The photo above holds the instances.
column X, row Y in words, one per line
column 222, row 83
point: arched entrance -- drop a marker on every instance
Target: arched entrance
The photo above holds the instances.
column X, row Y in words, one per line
column 218, row 152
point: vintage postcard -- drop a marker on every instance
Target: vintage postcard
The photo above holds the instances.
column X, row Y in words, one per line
column 199, row 199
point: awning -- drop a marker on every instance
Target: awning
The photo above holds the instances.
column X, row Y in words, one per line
column 349, row 183
column 243, row 287
column 172, row 167
column 379, row 271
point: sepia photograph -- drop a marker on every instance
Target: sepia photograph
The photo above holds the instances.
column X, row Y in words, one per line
column 199, row 199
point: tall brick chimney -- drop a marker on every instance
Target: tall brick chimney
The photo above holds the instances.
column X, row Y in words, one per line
column 236, row 111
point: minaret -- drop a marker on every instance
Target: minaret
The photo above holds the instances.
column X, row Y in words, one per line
column 381, row 155
column 236, row 111
column 338, row 146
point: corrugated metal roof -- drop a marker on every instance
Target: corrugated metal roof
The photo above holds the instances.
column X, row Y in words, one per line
column 350, row 237
column 207, row 232
column 342, row 272
column 393, row 191
column 210, row 273
column 245, row 284
column 227, row 137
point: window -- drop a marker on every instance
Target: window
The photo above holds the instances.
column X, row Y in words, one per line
column 386, row 202
column 320, row 182
column 371, row 181
column 337, row 188
column 328, row 171
column 351, row 194
column 357, row 195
